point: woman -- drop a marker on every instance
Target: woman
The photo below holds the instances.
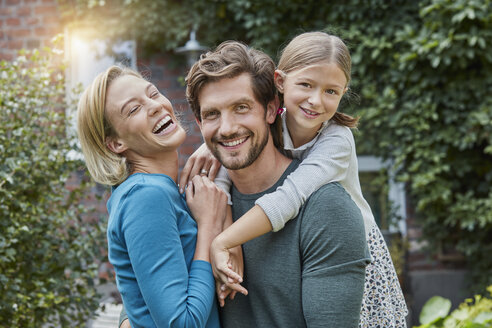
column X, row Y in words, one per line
column 129, row 136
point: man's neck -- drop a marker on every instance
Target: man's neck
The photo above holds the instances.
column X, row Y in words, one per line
column 265, row 171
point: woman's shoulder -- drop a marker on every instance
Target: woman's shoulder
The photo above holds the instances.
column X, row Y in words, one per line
column 141, row 187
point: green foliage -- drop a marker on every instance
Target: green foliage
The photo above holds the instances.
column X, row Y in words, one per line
column 472, row 313
column 423, row 73
column 48, row 248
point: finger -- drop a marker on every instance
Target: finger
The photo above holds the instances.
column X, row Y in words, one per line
column 185, row 173
column 190, row 191
column 214, row 169
column 238, row 288
column 232, row 295
column 197, row 166
column 198, row 183
column 231, row 274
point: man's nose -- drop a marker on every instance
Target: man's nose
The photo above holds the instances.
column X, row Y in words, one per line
column 227, row 124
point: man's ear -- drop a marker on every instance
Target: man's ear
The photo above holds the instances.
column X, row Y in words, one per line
column 198, row 122
column 271, row 110
column 115, row 145
column 279, row 78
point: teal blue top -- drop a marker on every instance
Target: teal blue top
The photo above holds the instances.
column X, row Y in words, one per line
column 151, row 244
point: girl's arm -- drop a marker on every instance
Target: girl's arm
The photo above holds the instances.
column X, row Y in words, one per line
column 326, row 161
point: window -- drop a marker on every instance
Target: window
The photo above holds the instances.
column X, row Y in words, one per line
column 385, row 196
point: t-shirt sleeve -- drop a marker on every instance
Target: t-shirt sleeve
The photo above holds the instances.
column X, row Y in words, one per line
column 326, row 161
column 174, row 296
column 334, row 257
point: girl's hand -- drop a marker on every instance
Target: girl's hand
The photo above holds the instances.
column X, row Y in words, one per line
column 201, row 159
column 225, row 263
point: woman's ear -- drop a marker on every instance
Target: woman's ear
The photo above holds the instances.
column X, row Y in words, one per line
column 115, row 145
column 279, row 78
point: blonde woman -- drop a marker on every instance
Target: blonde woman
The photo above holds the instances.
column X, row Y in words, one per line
column 129, row 136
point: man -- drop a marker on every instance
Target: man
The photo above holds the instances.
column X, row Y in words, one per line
column 311, row 273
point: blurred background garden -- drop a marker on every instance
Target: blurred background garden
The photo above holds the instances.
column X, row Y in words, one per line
column 421, row 84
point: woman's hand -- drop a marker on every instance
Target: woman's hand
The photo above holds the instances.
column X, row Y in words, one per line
column 206, row 201
column 201, row 162
column 208, row 206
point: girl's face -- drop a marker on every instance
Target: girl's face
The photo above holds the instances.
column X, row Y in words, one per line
column 143, row 119
column 311, row 95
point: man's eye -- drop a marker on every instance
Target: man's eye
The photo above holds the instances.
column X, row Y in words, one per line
column 304, row 84
column 242, row 108
column 331, row 91
column 210, row 115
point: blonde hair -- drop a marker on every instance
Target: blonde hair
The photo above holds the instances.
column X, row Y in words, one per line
column 94, row 128
column 313, row 47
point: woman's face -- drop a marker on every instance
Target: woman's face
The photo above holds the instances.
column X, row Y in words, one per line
column 142, row 118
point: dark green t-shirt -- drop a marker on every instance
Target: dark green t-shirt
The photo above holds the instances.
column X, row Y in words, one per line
column 309, row 274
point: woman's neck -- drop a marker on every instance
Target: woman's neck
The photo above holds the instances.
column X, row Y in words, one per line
column 165, row 164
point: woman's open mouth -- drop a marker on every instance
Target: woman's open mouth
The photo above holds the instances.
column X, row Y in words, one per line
column 164, row 125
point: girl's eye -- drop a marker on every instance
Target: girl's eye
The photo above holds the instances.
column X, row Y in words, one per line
column 154, row 94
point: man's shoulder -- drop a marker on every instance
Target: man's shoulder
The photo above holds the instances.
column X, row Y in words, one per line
column 329, row 203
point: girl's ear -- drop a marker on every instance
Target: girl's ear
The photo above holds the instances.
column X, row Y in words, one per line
column 115, row 145
column 279, row 78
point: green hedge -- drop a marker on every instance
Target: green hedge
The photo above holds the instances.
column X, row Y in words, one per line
column 49, row 246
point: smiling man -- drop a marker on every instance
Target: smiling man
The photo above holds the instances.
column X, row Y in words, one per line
column 311, row 273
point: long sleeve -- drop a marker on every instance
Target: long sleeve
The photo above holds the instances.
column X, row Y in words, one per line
column 334, row 257
column 326, row 160
column 223, row 181
column 156, row 280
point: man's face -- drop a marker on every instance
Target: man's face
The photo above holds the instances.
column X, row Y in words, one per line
column 235, row 126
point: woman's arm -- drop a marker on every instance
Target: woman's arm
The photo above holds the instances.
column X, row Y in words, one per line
column 164, row 287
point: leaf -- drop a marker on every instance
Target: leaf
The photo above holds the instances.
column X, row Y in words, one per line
column 435, row 308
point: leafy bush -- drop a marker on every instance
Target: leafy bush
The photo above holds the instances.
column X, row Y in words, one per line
column 472, row 313
column 48, row 248
column 422, row 69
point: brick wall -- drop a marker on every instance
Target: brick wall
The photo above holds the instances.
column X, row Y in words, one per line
column 27, row 24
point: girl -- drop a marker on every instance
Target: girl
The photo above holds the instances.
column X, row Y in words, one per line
column 312, row 76
column 129, row 136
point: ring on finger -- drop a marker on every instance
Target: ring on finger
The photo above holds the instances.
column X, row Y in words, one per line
column 203, row 172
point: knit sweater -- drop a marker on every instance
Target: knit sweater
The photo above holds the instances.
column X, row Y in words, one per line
column 329, row 157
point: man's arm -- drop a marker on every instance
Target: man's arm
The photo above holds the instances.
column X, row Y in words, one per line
column 334, row 254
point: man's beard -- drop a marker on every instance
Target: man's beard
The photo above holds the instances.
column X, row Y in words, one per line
column 252, row 155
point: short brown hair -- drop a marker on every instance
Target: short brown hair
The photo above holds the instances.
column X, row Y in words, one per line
column 228, row 60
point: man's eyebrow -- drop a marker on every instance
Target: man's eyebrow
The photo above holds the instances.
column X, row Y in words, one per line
column 150, row 85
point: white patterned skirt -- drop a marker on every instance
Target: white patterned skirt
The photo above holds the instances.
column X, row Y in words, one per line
column 383, row 304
